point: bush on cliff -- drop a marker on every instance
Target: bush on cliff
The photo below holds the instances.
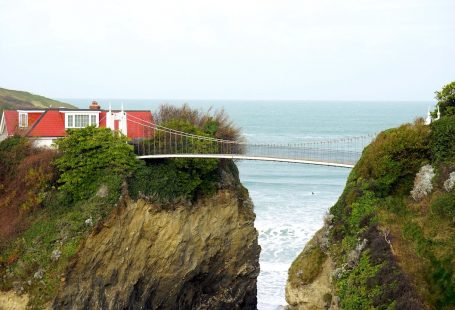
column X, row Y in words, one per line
column 180, row 178
column 442, row 139
column 26, row 177
column 38, row 222
column 215, row 123
column 171, row 180
column 90, row 154
column 390, row 163
column 446, row 100
column 408, row 259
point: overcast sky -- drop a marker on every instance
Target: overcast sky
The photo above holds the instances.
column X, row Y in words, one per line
column 205, row 49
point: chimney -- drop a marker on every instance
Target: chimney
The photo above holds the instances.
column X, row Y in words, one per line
column 94, row 106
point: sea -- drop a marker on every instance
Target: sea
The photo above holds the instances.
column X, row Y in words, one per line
column 290, row 200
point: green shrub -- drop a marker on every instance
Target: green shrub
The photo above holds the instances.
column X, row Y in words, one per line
column 174, row 179
column 88, row 154
column 353, row 287
column 443, row 277
column 442, row 139
column 446, row 100
column 393, row 159
column 444, row 205
column 180, row 178
column 362, row 211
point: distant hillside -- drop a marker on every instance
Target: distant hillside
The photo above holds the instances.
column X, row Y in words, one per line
column 13, row 99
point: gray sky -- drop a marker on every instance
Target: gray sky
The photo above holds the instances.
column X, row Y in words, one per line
column 205, row 49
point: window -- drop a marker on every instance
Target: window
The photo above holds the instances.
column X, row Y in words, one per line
column 23, row 120
column 70, row 121
column 75, row 120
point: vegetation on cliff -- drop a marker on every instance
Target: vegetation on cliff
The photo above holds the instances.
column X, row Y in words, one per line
column 43, row 218
column 52, row 199
column 408, row 259
column 391, row 235
column 172, row 180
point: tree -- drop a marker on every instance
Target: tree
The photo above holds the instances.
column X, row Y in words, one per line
column 446, row 99
column 90, row 154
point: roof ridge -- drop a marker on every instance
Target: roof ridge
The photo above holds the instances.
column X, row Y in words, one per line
column 36, row 123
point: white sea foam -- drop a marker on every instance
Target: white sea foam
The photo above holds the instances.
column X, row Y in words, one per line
column 290, row 202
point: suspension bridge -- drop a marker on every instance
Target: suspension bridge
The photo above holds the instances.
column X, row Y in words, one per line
column 163, row 142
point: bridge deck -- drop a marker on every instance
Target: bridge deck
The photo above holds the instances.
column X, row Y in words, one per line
column 245, row 157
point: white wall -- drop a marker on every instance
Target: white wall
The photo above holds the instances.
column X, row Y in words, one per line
column 44, row 142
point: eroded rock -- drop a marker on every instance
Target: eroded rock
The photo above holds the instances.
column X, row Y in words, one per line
column 205, row 256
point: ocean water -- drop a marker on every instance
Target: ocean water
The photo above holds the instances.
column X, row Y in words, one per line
column 291, row 199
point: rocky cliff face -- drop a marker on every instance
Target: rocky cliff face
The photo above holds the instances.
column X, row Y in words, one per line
column 309, row 284
column 203, row 256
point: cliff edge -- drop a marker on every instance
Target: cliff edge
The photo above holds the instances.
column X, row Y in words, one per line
column 90, row 226
column 389, row 241
column 201, row 256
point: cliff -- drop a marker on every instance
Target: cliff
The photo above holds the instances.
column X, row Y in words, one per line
column 146, row 257
column 131, row 243
column 389, row 241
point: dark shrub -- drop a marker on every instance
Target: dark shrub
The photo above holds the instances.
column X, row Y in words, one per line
column 89, row 153
column 442, row 139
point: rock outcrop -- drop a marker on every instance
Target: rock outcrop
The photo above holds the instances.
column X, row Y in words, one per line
column 11, row 300
column 144, row 256
column 309, row 285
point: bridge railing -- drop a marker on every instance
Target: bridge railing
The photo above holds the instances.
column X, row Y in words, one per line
column 160, row 141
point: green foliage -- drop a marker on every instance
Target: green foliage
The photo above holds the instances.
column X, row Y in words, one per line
column 89, row 153
column 390, row 163
column 176, row 179
column 446, row 99
column 353, row 287
column 443, row 277
column 441, row 274
column 179, row 178
column 444, row 205
column 442, row 139
column 362, row 211
column 375, row 206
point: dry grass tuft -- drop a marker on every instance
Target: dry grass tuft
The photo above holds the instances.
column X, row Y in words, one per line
column 225, row 128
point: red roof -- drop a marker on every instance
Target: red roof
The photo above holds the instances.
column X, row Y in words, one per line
column 51, row 123
column 11, row 121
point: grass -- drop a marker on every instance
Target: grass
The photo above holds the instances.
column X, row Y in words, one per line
column 14, row 99
column 57, row 226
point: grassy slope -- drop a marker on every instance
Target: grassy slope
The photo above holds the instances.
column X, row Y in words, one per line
column 13, row 99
